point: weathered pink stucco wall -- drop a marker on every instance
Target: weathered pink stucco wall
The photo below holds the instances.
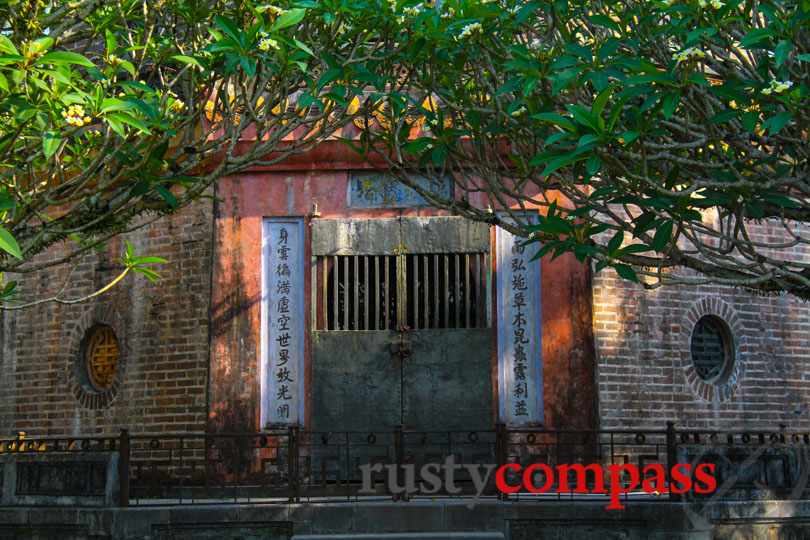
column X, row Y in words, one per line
column 320, row 177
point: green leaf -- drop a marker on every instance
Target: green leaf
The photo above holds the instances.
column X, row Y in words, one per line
column 724, row 116
column 187, row 60
column 289, row 18
column 167, row 196
column 777, row 122
column 755, row 36
column 303, row 47
column 579, row 51
column 783, row 49
column 604, row 20
column 586, row 142
column 602, row 99
column 749, row 121
column 670, row 104
column 644, row 223
column 151, row 274
column 583, row 116
column 128, row 119
column 329, row 76
column 116, row 126
column 780, row 200
column 137, row 85
column 50, row 142
column 593, row 165
column 229, row 27
column 662, row 237
column 418, row 145
column 559, row 163
column 64, row 58
column 109, row 38
column 555, row 119
column 9, row 244
column 615, row 242
column 7, row 46
column 626, row 272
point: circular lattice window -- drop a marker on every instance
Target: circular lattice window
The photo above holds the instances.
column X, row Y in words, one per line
column 101, row 357
column 712, row 349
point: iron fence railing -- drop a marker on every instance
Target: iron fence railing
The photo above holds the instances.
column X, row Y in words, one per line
column 294, row 465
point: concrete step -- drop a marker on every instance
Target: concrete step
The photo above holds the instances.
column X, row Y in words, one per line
column 404, row 536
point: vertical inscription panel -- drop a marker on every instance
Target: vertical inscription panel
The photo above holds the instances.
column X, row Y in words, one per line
column 282, row 321
column 520, row 374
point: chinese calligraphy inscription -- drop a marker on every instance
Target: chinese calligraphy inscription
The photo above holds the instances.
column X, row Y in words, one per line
column 282, row 321
column 519, row 348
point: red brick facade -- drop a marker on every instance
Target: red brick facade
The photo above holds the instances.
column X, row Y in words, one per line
column 162, row 332
column 645, row 372
column 189, row 355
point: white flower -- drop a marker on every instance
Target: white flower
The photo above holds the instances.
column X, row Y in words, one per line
column 275, row 10
column 777, row 87
column 177, row 104
column 688, row 54
column 267, row 43
column 75, row 116
column 470, row 29
column 517, row 112
column 448, row 13
column 413, row 11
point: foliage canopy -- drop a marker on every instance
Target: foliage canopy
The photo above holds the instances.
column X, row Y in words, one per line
column 655, row 135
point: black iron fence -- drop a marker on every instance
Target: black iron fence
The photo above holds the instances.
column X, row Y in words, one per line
column 294, row 465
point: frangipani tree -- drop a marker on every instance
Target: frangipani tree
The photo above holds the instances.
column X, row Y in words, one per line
column 657, row 136
column 114, row 116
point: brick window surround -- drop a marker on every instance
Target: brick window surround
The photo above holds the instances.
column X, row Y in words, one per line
column 84, row 392
column 712, row 391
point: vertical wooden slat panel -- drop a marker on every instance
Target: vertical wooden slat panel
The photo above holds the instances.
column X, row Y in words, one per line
column 325, row 293
column 481, row 301
column 335, row 283
column 415, row 259
column 456, row 296
column 466, row 290
column 356, row 291
column 387, row 291
column 435, row 290
column 366, row 295
column 485, row 306
column 376, row 292
column 402, row 291
column 346, row 293
column 425, row 289
column 446, row 291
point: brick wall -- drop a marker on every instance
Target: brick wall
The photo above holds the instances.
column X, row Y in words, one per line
column 162, row 329
column 644, row 369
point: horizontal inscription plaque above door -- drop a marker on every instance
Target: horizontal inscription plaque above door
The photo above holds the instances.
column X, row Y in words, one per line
column 372, row 189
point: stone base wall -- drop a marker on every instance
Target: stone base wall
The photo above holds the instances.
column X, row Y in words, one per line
column 416, row 519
